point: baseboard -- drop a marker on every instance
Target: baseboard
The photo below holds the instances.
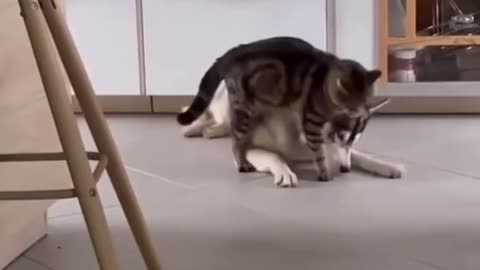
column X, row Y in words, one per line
column 138, row 104
column 23, row 232
column 120, row 104
column 170, row 104
column 432, row 105
column 399, row 105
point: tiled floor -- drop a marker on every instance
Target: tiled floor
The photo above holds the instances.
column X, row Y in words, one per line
column 205, row 216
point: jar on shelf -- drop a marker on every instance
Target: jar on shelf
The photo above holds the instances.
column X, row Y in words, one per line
column 401, row 64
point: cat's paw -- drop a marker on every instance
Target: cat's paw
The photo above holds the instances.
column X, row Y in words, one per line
column 284, row 177
column 324, row 176
column 246, row 167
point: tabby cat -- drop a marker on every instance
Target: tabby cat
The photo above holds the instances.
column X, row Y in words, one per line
column 268, row 76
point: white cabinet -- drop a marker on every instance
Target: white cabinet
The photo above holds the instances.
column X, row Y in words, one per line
column 106, row 35
column 183, row 37
column 356, row 30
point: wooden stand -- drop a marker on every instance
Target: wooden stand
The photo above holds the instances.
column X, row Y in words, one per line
column 43, row 21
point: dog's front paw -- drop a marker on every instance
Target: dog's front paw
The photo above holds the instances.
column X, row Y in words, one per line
column 209, row 133
column 345, row 169
column 284, row 177
column 191, row 131
column 216, row 131
column 392, row 171
column 396, row 171
column 246, row 167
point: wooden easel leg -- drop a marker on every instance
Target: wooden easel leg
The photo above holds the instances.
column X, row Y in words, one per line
column 101, row 133
column 69, row 133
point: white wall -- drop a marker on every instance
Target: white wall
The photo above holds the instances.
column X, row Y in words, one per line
column 355, row 23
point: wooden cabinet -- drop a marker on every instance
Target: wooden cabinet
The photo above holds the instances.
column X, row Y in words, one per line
column 430, row 40
column 26, row 126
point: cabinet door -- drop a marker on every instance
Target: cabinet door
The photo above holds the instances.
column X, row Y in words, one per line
column 106, row 35
column 184, row 37
column 355, row 30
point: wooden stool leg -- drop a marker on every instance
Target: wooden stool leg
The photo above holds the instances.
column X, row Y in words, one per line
column 69, row 133
column 101, row 133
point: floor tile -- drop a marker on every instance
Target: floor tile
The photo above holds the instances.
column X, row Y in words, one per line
column 213, row 234
column 109, row 199
column 25, row 264
column 442, row 142
column 197, row 206
column 127, row 129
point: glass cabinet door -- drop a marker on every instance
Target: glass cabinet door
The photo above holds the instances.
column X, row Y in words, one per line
column 433, row 41
column 397, row 18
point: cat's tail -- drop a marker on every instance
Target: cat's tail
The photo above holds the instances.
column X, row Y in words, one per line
column 208, row 86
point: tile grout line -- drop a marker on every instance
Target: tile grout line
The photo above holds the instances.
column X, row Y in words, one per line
column 117, row 205
column 34, row 261
column 445, row 170
column 428, row 264
column 69, row 215
column 223, row 199
column 191, row 187
column 164, row 179
column 429, row 166
column 264, row 214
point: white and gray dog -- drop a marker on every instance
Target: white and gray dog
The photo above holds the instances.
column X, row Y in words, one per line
column 278, row 142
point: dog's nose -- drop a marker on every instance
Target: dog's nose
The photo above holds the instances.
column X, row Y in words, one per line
column 344, row 169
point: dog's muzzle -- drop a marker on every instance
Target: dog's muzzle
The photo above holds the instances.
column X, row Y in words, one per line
column 345, row 163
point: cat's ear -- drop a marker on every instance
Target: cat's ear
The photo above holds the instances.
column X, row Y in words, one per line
column 373, row 107
column 372, row 76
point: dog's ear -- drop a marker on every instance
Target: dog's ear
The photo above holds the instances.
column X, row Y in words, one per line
column 341, row 87
column 372, row 76
column 375, row 106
